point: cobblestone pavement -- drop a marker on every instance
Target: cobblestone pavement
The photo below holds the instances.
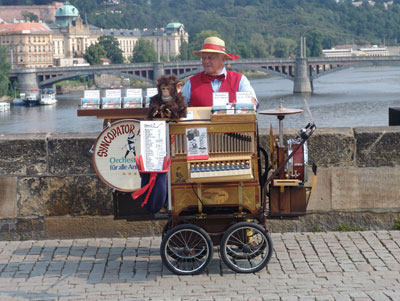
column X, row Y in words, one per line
column 305, row 266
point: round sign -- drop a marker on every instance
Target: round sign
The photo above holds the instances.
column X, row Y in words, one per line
column 114, row 155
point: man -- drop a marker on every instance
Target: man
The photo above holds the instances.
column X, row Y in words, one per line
column 215, row 77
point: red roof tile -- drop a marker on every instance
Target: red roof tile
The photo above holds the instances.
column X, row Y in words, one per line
column 25, row 28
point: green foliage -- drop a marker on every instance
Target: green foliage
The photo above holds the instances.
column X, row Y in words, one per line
column 284, row 47
column 243, row 50
column 70, row 82
column 347, row 228
column 253, row 28
column 94, row 53
column 84, row 6
column 184, row 51
column 4, row 71
column 259, row 47
column 314, row 43
column 111, row 46
column 396, row 225
column 316, row 228
column 143, row 52
column 29, row 16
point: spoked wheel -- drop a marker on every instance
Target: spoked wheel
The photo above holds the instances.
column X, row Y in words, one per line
column 186, row 249
column 246, row 247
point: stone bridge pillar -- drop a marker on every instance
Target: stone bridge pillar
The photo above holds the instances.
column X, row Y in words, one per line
column 302, row 80
column 158, row 71
column 27, row 80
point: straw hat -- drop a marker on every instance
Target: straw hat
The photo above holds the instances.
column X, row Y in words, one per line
column 215, row 45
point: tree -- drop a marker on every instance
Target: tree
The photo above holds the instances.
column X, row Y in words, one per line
column 328, row 42
column 284, row 47
column 259, row 47
column 243, row 50
column 29, row 16
column 143, row 52
column 84, row 6
column 314, row 44
column 94, row 53
column 4, row 71
column 111, row 46
column 184, row 51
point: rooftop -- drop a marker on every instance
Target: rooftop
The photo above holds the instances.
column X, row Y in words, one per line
column 174, row 25
column 67, row 10
column 25, row 28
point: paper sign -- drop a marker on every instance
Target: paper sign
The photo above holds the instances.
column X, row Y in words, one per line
column 149, row 93
column 113, row 93
column 196, row 141
column 220, row 98
column 243, row 97
column 91, row 94
column 133, row 93
column 189, row 115
column 154, row 144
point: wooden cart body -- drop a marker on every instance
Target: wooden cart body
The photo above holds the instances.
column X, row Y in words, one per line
column 227, row 195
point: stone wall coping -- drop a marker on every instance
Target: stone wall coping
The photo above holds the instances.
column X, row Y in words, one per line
column 322, row 130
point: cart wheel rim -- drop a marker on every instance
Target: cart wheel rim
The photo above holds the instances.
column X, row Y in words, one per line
column 186, row 250
column 246, row 248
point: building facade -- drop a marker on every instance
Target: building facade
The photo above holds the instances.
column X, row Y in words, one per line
column 374, row 50
column 28, row 44
column 166, row 41
column 64, row 42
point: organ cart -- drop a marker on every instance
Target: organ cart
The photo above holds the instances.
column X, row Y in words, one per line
column 220, row 188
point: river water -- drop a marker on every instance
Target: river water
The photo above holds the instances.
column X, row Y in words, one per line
column 348, row 98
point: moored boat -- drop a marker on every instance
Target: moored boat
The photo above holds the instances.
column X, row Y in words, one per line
column 4, row 106
column 47, row 97
column 19, row 101
column 32, row 98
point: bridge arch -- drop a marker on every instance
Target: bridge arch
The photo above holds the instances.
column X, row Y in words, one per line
column 354, row 65
column 261, row 69
column 57, row 79
column 241, row 67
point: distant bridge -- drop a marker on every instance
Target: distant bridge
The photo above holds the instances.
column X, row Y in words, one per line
column 302, row 71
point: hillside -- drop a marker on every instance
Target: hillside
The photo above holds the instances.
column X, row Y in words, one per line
column 258, row 28
column 255, row 28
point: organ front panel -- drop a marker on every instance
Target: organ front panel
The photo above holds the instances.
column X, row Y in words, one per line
column 230, row 168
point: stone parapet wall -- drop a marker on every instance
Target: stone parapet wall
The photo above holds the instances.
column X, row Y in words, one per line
column 48, row 187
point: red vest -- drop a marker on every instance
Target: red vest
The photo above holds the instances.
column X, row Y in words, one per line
column 201, row 92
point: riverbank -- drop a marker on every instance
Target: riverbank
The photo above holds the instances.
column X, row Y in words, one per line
column 6, row 98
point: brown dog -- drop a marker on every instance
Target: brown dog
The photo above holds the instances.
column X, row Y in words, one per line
column 169, row 102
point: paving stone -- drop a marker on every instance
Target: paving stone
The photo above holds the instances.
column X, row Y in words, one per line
column 304, row 266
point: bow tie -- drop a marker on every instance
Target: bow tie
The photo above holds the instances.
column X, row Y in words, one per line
column 209, row 78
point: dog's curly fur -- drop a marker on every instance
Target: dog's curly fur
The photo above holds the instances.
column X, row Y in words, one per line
column 174, row 108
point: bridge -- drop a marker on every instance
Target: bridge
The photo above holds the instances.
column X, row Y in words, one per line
column 302, row 71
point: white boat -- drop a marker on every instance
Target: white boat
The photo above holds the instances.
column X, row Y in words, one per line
column 32, row 98
column 18, row 101
column 4, row 106
column 47, row 97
